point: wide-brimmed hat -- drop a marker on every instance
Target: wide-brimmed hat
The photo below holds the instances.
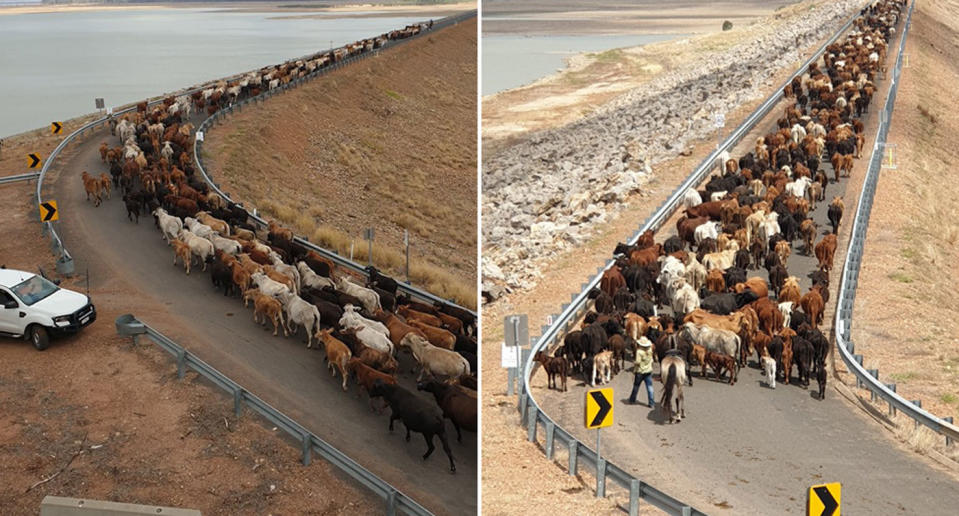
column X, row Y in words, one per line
column 644, row 342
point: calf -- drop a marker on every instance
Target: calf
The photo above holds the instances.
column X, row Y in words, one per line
column 554, row 366
column 825, row 251
column 720, row 362
column 602, row 364
column 769, row 371
column 337, row 355
column 417, row 415
column 836, row 207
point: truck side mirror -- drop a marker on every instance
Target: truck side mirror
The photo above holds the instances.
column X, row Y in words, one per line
column 10, row 304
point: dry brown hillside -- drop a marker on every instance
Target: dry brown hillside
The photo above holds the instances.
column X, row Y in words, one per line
column 904, row 322
column 389, row 142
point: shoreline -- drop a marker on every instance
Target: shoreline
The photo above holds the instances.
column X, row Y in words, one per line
column 354, row 10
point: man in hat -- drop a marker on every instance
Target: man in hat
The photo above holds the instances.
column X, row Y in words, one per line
column 643, row 371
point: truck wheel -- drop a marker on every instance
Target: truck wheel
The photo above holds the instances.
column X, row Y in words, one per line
column 39, row 337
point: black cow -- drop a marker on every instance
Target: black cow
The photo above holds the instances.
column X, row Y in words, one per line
column 819, row 342
column 835, row 217
column 604, row 303
column 417, row 415
column 623, row 298
column 464, row 343
column 573, row 349
column 673, row 244
column 381, row 281
column 729, row 302
column 734, row 275
column 643, row 307
column 775, row 349
column 803, row 353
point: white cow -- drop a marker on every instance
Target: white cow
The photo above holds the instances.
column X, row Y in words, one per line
column 300, row 313
column 268, row 286
column 433, row 360
column 369, row 297
column 798, row 187
column 199, row 247
column 312, row 279
column 786, row 308
column 691, row 198
column 170, row 225
column 710, row 229
column 351, row 319
column 685, row 299
column 167, row 152
column 198, row 228
column 227, row 245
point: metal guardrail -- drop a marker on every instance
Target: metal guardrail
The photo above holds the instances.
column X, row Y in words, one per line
column 128, row 325
column 533, row 414
column 850, row 274
column 332, row 255
column 65, row 260
column 19, row 177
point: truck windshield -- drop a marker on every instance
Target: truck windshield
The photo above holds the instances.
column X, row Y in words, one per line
column 34, row 289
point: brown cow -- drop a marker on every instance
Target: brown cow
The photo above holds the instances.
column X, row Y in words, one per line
column 812, row 303
column 790, row 291
column 337, row 354
column 612, row 281
column 644, row 257
column 397, row 328
column 808, row 229
column 756, row 284
column 825, row 251
column 413, row 315
column 436, row 336
column 787, row 336
column 366, row 376
column 715, row 281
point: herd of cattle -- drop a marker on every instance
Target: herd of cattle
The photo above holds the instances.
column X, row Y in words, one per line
column 753, row 212
column 361, row 325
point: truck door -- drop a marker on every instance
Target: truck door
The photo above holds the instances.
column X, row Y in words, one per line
column 10, row 321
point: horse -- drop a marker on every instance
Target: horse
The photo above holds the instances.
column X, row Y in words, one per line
column 673, row 376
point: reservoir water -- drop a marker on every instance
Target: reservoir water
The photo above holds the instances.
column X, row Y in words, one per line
column 55, row 64
column 510, row 61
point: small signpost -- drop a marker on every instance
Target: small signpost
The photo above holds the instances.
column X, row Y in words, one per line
column 34, row 159
column 48, row 211
column 824, row 500
column 368, row 236
column 199, row 136
column 56, row 127
column 406, row 243
column 889, row 156
column 599, row 414
column 719, row 121
column 99, row 102
column 516, row 336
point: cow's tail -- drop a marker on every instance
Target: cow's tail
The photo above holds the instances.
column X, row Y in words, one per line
column 316, row 321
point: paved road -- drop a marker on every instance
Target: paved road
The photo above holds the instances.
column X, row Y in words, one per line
column 753, row 450
column 221, row 332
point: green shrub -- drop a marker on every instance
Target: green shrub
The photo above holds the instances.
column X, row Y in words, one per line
column 727, row 25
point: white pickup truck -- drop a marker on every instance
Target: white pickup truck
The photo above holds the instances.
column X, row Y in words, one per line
column 33, row 307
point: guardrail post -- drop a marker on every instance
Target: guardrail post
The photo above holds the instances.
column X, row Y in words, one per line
column 523, row 400
column 892, row 408
column 238, row 402
column 531, row 417
column 948, row 419
column 180, row 363
column 875, row 374
column 550, row 429
column 307, row 448
column 601, row 478
column 687, row 510
column 573, row 456
column 633, row 497
column 858, row 359
column 917, row 403
column 391, row 503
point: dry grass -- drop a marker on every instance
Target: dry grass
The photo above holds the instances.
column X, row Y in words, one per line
column 905, row 308
column 388, row 143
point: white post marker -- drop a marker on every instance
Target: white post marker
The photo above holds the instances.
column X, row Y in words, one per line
column 199, row 136
column 510, row 356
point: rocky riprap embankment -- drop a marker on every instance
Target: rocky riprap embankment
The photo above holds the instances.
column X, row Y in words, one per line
column 547, row 193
